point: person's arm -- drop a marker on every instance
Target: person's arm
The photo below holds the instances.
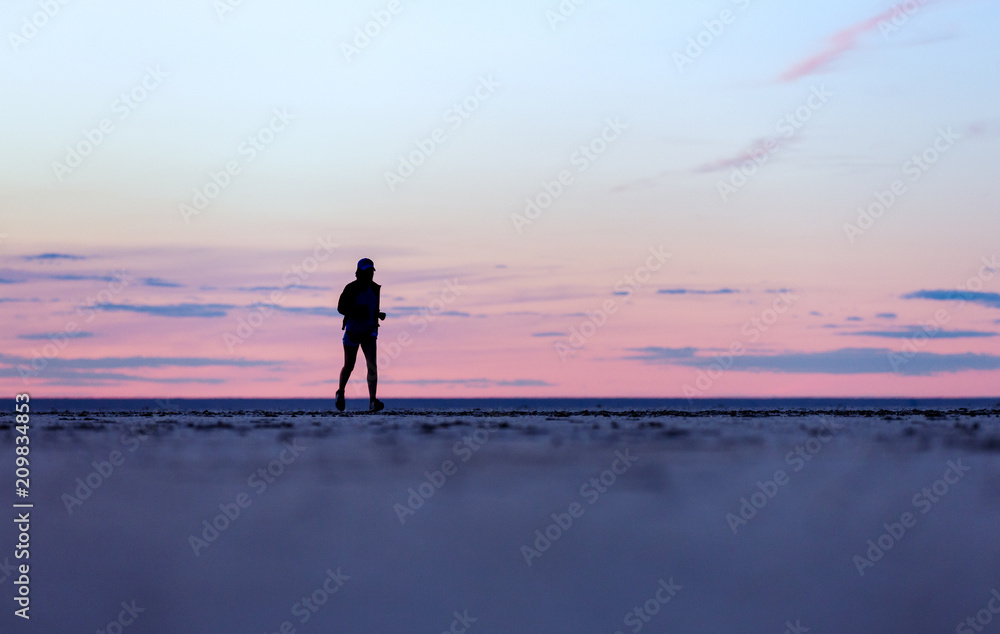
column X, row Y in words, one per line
column 345, row 305
column 378, row 303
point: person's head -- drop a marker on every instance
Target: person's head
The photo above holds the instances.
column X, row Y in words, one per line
column 366, row 269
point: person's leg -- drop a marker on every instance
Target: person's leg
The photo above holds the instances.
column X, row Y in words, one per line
column 369, row 347
column 350, row 357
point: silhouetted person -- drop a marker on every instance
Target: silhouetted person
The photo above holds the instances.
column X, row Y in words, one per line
column 359, row 304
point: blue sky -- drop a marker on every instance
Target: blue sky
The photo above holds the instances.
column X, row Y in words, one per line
column 833, row 100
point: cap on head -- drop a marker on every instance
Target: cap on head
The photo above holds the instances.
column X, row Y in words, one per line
column 364, row 264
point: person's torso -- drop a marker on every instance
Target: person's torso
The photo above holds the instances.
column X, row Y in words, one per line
column 364, row 319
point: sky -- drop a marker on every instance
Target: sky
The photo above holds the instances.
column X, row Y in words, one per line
column 578, row 198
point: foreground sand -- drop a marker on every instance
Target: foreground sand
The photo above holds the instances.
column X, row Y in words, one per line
column 491, row 521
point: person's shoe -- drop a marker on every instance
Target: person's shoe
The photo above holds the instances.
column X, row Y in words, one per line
column 340, row 401
column 376, row 406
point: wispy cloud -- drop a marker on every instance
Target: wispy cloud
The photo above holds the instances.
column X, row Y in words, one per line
column 322, row 311
column 839, row 44
column 655, row 354
column 44, row 336
column 842, row 361
column 886, row 315
column 290, row 287
column 913, row 331
column 758, row 148
column 160, row 283
column 693, row 291
column 548, row 334
column 105, row 363
column 53, row 256
column 76, row 277
column 420, row 310
column 986, row 299
column 171, row 310
column 76, row 378
column 474, row 382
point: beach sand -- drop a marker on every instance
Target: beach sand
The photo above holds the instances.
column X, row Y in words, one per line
column 511, row 522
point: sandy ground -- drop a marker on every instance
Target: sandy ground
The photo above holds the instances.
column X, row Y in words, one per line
column 496, row 522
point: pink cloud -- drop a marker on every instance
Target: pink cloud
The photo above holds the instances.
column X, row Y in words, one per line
column 840, row 43
column 761, row 149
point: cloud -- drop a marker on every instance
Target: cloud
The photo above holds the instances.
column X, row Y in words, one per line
column 691, row 291
column 53, row 256
column 221, row 310
column 297, row 287
column 106, row 363
column 838, row 362
column 854, row 318
column 654, row 354
column 76, row 378
column 524, row 383
column 886, row 315
column 474, row 382
column 45, row 336
column 758, row 148
column 424, row 310
column 5, row 280
column 322, row 311
column 919, row 331
column 549, row 334
column 986, row 299
column 73, row 277
column 839, row 44
column 171, row 310
column 94, row 371
column 155, row 281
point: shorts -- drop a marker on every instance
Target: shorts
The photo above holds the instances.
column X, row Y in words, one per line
column 354, row 339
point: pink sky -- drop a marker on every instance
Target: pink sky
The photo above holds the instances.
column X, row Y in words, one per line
column 534, row 167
